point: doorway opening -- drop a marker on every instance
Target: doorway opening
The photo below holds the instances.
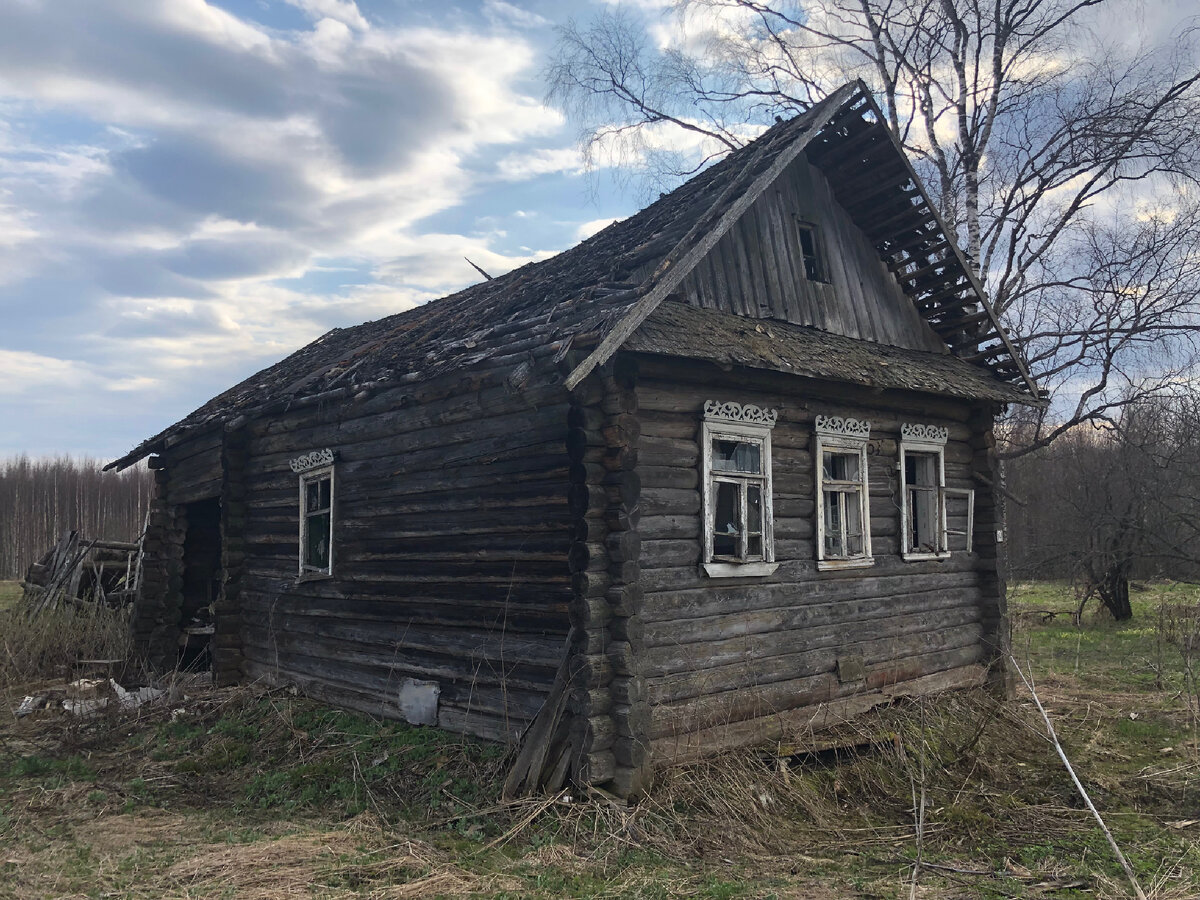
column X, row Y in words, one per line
column 201, row 583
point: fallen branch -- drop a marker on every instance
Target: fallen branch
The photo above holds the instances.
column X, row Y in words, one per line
column 1137, row 888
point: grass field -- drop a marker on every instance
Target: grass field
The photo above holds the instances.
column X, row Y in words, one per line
column 10, row 593
column 247, row 793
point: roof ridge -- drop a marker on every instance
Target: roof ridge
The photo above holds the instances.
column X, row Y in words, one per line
column 667, row 275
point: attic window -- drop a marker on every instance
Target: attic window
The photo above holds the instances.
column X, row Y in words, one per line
column 316, row 513
column 810, row 250
column 738, row 521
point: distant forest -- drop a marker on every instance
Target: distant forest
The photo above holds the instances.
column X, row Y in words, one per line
column 42, row 498
column 1099, row 506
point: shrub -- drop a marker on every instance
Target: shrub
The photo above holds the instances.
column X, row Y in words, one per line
column 50, row 644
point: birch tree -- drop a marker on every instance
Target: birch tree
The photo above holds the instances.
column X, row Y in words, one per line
column 42, row 498
column 1046, row 147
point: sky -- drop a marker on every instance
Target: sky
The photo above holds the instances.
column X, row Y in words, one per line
column 191, row 190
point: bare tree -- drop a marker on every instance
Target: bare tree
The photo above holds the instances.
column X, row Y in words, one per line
column 42, row 498
column 1113, row 502
column 1039, row 141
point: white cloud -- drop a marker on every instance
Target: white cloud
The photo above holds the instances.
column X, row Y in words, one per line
column 587, row 229
column 344, row 11
column 520, row 166
column 220, row 175
column 15, row 226
column 507, row 13
column 22, row 371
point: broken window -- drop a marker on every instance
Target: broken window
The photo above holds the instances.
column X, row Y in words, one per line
column 737, row 489
column 843, row 502
column 922, row 483
column 810, row 250
column 925, row 499
column 316, row 512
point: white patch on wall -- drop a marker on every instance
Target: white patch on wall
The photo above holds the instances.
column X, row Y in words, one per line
column 419, row 701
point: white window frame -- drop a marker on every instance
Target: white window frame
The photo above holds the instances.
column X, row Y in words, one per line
column 846, row 435
column 970, row 532
column 929, row 440
column 315, row 466
column 744, row 423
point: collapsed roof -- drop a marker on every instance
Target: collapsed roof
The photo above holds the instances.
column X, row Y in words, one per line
column 595, row 296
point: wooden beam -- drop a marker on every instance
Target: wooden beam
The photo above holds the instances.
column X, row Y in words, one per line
column 916, row 276
column 860, row 192
column 1030, row 384
column 964, row 322
column 917, row 217
column 855, row 159
column 867, row 139
column 989, row 353
column 857, row 209
column 932, row 305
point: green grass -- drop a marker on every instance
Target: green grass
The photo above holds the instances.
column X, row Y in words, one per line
column 10, row 593
column 233, row 791
column 1117, row 656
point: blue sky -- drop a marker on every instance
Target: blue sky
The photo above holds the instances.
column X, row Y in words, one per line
column 190, row 190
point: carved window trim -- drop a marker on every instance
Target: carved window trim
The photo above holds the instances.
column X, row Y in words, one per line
column 924, row 442
column 846, row 435
column 314, row 460
column 746, row 424
column 314, row 468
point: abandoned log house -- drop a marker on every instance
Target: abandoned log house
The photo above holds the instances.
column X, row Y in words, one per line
column 724, row 469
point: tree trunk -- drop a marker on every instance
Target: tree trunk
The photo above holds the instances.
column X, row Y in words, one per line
column 1114, row 592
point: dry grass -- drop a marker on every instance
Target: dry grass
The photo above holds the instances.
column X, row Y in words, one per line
column 145, row 807
column 10, row 593
column 48, row 646
column 252, row 793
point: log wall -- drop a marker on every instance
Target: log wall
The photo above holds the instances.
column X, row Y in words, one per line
column 451, row 534
column 227, row 640
column 757, row 269
column 609, row 700
column 187, row 471
column 730, row 660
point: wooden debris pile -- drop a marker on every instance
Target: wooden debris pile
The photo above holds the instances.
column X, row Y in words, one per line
column 79, row 570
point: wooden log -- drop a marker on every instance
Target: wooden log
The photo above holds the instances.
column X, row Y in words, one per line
column 633, row 753
column 623, row 488
column 624, row 658
column 687, row 747
column 623, row 546
column 626, row 599
column 622, row 430
column 599, row 767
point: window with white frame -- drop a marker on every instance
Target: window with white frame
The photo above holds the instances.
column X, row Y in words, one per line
column 923, row 491
column 316, row 512
column 736, row 487
column 843, row 501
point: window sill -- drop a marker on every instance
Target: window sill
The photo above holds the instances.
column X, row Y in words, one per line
column 917, row 557
column 832, row 565
column 313, row 576
column 738, row 570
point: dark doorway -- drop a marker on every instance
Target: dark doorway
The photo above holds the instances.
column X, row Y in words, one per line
column 201, row 582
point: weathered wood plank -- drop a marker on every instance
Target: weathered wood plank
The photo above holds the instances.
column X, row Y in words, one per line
column 687, row 746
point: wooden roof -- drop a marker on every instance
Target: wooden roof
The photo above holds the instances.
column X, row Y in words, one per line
column 593, row 296
column 677, row 329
